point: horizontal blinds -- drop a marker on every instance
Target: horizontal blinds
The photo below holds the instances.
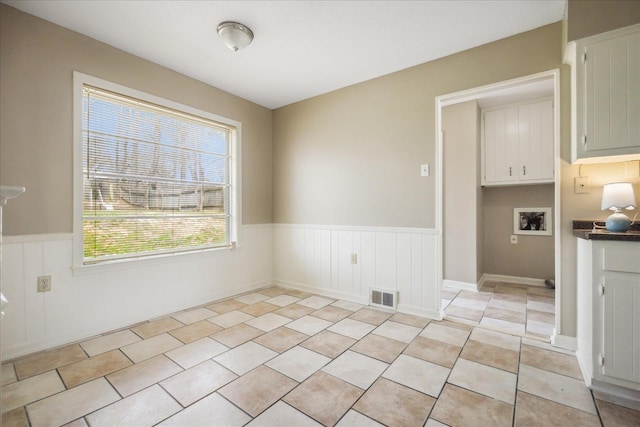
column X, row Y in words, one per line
column 155, row 179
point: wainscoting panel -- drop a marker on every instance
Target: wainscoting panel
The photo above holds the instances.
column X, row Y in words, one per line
column 318, row 259
column 89, row 302
column 397, row 259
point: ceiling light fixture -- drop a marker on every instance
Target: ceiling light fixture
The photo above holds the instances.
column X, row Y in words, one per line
column 235, row 35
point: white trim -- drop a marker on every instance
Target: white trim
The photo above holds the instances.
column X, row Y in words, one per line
column 463, row 286
column 481, row 282
column 421, row 311
column 473, row 94
column 615, row 394
column 235, row 198
column 564, row 342
column 256, row 226
column 557, row 203
column 32, row 238
column 132, row 263
column 514, row 279
column 584, row 369
column 401, row 308
column 411, row 230
column 322, row 291
column 478, row 92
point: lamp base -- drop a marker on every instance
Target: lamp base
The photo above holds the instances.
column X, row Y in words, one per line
column 618, row 223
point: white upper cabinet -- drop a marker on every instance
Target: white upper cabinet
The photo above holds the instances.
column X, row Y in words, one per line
column 518, row 144
column 606, row 96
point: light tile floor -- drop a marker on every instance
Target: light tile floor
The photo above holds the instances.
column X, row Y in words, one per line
column 508, row 307
column 281, row 357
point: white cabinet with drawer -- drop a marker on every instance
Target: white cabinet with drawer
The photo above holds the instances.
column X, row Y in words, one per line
column 609, row 316
column 518, row 144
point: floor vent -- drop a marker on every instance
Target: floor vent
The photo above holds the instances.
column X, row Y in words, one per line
column 383, row 298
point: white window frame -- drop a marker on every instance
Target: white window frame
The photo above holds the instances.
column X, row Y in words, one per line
column 79, row 265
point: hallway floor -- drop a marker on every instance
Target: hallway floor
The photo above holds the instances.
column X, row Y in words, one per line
column 279, row 357
column 507, row 307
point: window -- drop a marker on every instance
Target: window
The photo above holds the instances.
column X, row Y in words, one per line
column 156, row 177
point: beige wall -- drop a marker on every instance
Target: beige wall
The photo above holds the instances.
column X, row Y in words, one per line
column 586, row 18
column 36, row 63
column 532, row 256
column 352, row 157
column 461, row 180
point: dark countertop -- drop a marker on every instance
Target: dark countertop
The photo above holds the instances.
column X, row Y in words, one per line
column 584, row 229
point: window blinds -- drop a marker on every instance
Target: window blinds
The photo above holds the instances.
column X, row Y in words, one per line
column 155, row 180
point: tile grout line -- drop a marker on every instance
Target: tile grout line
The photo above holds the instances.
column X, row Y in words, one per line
column 515, row 398
column 300, row 344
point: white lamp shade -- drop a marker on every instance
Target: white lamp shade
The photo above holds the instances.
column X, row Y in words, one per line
column 618, row 195
column 234, row 35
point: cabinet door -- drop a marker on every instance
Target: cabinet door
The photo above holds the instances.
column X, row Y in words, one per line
column 611, row 97
column 535, row 141
column 622, row 326
column 500, row 145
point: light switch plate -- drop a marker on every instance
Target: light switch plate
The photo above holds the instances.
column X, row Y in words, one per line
column 424, row 170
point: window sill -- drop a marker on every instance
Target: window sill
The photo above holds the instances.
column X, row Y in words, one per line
column 146, row 261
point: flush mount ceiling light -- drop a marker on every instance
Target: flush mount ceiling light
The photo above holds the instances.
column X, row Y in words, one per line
column 236, row 36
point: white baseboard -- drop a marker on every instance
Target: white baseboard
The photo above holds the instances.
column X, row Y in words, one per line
column 584, row 369
column 401, row 308
column 481, row 282
column 420, row 311
column 463, row 286
column 616, row 394
column 512, row 279
column 358, row 299
column 564, row 342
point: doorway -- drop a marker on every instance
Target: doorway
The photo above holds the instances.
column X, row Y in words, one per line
column 512, row 92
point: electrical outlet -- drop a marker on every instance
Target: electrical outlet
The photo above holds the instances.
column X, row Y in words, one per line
column 582, row 185
column 354, row 258
column 514, row 239
column 44, row 283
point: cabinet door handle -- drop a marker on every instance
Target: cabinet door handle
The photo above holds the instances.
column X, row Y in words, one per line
column 509, row 170
column 524, row 170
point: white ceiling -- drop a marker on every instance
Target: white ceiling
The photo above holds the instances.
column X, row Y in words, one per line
column 301, row 48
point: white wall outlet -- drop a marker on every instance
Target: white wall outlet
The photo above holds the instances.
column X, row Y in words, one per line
column 514, row 239
column 354, row 258
column 44, row 283
column 424, row 170
column 582, row 185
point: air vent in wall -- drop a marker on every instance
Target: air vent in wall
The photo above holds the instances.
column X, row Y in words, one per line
column 383, row 298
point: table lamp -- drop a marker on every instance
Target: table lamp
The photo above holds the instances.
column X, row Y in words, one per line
column 617, row 196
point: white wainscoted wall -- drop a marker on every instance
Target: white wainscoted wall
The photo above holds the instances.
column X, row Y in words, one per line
column 86, row 303
column 318, row 259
